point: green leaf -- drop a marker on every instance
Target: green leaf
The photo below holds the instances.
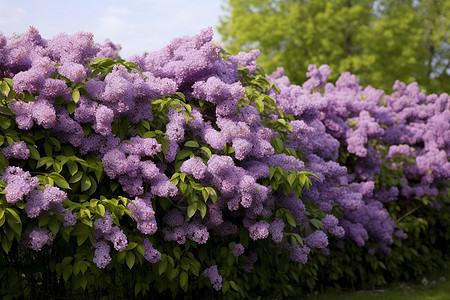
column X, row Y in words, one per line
column 113, row 185
column 55, row 142
column 73, row 167
column 121, row 255
column 183, row 154
column 162, row 266
column 76, row 95
column 59, row 180
column 130, row 259
column 48, row 149
column 9, row 140
column 192, row 144
column 43, row 220
column 75, row 178
column 140, row 249
column 234, row 286
column 206, row 151
column 191, row 210
column 4, row 88
column 290, row 219
column 67, row 271
column 77, row 267
column 225, row 287
column 82, row 238
column 202, row 209
column 173, row 274
column 184, row 280
column 100, row 209
column 5, row 122
column 259, row 103
column 291, row 178
column 205, row 194
column 48, row 161
column 34, row 154
column 6, row 245
column 85, row 183
column 13, row 220
column 316, row 223
column 71, row 106
column 131, row 246
column 137, row 289
column 53, row 225
column 67, row 260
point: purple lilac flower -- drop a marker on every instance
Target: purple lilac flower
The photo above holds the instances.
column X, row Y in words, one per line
column 143, row 213
column 150, row 253
column 19, row 183
column 276, row 230
column 36, row 238
column 317, row 239
column 17, row 150
column 259, row 230
column 212, row 273
column 102, row 258
column 195, row 167
column 238, row 250
column 299, row 254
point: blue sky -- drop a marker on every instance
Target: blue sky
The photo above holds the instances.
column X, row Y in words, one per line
column 137, row 25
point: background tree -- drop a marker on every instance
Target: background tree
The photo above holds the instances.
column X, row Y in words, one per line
column 380, row 41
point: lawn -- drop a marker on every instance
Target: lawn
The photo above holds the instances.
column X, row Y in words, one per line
column 436, row 287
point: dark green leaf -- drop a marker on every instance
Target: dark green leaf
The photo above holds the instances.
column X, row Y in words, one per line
column 184, row 280
column 130, row 259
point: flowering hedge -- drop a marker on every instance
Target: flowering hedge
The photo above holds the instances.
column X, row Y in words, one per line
column 182, row 169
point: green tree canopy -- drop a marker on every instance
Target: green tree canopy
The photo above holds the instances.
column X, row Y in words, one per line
column 378, row 40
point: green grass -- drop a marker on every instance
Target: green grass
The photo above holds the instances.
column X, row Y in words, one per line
column 437, row 290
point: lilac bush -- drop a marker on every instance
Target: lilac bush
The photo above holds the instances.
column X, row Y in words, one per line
column 189, row 161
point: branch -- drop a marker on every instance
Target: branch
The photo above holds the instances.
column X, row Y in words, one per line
column 408, row 213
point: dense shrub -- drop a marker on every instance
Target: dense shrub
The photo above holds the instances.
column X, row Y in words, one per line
column 202, row 174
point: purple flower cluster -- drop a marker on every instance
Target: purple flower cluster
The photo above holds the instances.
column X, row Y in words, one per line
column 19, row 183
column 212, row 273
column 151, row 254
column 36, row 238
column 102, row 256
column 17, row 150
column 238, row 250
column 143, row 213
column 105, row 231
column 44, row 200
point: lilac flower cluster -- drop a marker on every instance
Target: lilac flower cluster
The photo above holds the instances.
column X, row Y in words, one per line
column 36, row 238
column 44, row 200
column 19, row 183
column 105, row 231
column 238, row 250
column 151, row 254
column 212, row 273
column 142, row 211
column 17, row 150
